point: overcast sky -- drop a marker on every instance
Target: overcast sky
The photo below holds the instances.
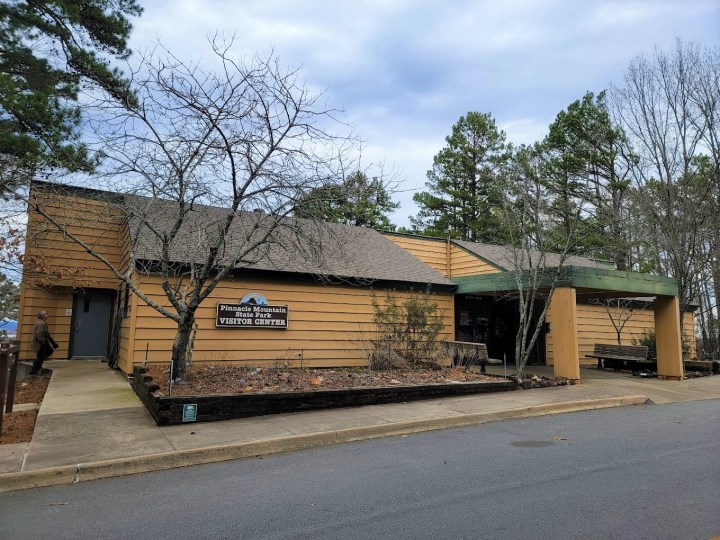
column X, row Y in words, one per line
column 405, row 71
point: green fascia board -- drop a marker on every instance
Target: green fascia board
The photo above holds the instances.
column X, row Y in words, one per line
column 615, row 280
column 487, row 283
column 631, row 283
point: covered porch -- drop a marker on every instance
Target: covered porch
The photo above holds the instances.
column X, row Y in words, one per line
column 573, row 283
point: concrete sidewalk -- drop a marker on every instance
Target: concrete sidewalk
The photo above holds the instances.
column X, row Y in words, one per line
column 91, row 424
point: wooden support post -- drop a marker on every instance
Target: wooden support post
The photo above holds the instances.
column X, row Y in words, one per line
column 563, row 328
column 668, row 338
column 13, row 354
column 3, row 381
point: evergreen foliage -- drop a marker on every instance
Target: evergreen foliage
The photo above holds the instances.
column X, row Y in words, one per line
column 9, row 298
column 358, row 201
column 49, row 49
column 407, row 331
column 649, row 340
column 463, row 199
column 588, row 162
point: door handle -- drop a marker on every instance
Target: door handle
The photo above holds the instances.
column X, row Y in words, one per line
column 77, row 326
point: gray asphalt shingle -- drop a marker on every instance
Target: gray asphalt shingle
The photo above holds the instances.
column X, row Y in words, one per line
column 504, row 257
column 293, row 245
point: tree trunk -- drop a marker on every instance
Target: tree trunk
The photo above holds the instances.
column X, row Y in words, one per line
column 715, row 325
column 182, row 344
column 618, row 238
column 706, row 322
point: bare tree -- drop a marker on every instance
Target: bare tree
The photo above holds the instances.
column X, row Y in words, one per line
column 215, row 160
column 668, row 106
column 707, row 319
column 706, row 97
column 656, row 108
column 619, row 311
column 540, row 247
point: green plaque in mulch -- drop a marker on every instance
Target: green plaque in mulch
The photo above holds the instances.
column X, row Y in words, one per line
column 189, row 413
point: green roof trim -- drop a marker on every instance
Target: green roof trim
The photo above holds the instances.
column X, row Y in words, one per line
column 600, row 279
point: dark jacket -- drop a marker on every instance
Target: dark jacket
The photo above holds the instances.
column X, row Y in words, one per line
column 41, row 336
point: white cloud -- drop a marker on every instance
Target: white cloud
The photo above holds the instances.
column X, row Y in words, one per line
column 616, row 15
column 405, row 71
column 524, row 130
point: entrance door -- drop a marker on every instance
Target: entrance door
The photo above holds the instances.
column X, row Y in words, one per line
column 91, row 322
column 495, row 322
column 482, row 319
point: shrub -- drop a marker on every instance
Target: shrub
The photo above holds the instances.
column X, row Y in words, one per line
column 405, row 331
column 648, row 339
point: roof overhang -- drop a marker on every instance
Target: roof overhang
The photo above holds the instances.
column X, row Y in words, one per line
column 587, row 281
column 154, row 267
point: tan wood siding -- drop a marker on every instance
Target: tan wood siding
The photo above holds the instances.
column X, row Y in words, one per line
column 689, row 334
column 55, row 264
column 127, row 333
column 463, row 263
column 56, row 302
column 594, row 326
column 124, row 246
column 327, row 325
column 431, row 252
column 52, row 258
column 434, row 253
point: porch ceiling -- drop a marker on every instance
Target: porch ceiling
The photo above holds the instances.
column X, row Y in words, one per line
column 596, row 281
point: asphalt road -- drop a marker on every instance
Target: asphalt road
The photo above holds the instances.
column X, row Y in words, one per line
column 640, row 472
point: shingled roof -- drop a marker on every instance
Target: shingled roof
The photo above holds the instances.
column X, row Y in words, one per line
column 294, row 245
column 504, row 257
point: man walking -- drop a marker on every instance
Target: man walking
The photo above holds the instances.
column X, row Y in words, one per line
column 43, row 343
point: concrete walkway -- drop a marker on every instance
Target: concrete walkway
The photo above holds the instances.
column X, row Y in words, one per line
column 91, row 424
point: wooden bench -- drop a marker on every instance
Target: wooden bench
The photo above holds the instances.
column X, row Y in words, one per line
column 467, row 354
column 620, row 356
column 702, row 365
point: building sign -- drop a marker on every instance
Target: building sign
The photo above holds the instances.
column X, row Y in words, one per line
column 254, row 298
column 251, row 315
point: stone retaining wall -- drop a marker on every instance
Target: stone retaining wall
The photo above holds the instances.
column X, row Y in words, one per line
column 169, row 410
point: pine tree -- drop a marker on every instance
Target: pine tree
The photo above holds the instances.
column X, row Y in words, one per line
column 588, row 161
column 358, row 201
column 48, row 50
column 463, row 196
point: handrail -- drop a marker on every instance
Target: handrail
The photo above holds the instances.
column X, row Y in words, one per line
column 8, row 362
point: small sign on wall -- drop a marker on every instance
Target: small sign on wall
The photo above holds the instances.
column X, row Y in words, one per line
column 68, row 312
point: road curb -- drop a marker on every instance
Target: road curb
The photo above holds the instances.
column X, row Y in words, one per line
column 51, row 476
column 83, row 472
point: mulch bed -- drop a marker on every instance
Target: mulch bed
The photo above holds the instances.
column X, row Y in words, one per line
column 217, row 379
column 18, row 426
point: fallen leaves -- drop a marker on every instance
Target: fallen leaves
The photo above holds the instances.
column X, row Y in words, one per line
column 214, row 379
